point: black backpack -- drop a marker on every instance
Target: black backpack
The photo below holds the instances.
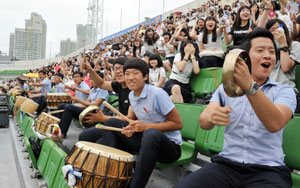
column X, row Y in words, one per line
column 36, row 147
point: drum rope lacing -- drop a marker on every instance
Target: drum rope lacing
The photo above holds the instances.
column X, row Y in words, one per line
column 93, row 175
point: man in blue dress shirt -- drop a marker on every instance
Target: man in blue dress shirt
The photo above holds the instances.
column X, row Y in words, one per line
column 252, row 155
column 154, row 129
column 59, row 86
column 38, row 95
column 96, row 97
column 82, row 91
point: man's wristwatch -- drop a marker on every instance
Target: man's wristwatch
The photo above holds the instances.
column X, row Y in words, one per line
column 285, row 49
column 254, row 89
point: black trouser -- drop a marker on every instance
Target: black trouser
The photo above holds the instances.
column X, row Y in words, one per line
column 223, row 173
column 42, row 103
column 60, row 107
column 70, row 111
column 153, row 146
column 91, row 135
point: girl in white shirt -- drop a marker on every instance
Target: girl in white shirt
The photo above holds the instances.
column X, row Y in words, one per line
column 185, row 63
column 211, row 44
column 157, row 74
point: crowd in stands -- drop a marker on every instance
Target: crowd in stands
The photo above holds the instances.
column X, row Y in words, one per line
column 186, row 41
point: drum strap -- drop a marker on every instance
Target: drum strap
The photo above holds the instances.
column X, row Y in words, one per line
column 107, row 168
column 127, row 173
column 70, row 154
column 84, row 160
column 77, row 156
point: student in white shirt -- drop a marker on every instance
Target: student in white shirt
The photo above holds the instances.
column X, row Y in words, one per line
column 157, row 74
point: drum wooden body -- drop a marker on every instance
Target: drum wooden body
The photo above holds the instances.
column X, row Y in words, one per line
column 29, row 106
column 90, row 109
column 19, row 101
column 43, row 121
column 101, row 166
column 55, row 99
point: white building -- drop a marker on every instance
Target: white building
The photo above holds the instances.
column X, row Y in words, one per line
column 11, row 44
column 85, row 35
column 29, row 43
column 67, row 46
column 37, row 23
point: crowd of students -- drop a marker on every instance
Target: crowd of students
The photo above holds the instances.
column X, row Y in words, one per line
column 200, row 34
column 145, row 66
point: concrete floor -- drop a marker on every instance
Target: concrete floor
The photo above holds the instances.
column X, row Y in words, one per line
column 8, row 164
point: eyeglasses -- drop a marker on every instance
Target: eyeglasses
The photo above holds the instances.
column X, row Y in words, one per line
column 118, row 68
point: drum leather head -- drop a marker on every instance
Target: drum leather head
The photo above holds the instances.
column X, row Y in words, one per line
column 106, row 151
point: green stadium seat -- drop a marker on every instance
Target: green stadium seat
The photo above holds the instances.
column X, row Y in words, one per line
column 189, row 114
column 168, row 75
column 113, row 100
column 18, row 117
column 29, row 132
column 59, row 181
column 77, row 123
column 297, row 77
column 56, row 157
column 47, row 146
column 24, row 124
column 209, row 142
column 291, row 140
column 206, row 81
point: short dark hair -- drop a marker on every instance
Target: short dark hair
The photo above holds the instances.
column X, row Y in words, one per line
column 156, row 57
column 167, row 33
column 79, row 73
column 43, row 72
column 120, row 61
column 22, row 82
column 60, row 75
column 136, row 63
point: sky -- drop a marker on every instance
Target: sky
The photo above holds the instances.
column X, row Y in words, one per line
column 61, row 17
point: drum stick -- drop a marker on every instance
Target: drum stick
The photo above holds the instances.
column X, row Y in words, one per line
column 56, row 111
column 115, row 111
column 108, row 128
